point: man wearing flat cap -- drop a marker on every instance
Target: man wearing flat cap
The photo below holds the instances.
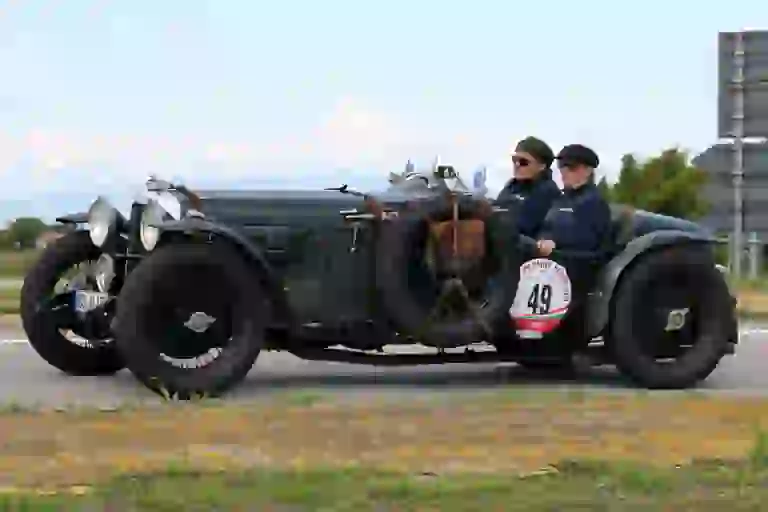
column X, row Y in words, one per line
column 581, row 219
column 532, row 184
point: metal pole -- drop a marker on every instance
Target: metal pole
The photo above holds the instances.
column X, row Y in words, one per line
column 755, row 249
column 738, row 153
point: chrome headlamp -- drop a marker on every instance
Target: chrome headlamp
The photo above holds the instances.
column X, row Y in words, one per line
column 163, row 206
column 104, row 221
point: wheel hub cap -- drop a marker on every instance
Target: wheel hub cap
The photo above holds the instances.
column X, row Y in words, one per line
column 676, row 319
column 199, row 322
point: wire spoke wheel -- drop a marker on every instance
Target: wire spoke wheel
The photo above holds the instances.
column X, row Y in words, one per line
column 79, row 277
column 70, row 330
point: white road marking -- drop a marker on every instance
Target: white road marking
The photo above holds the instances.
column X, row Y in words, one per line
column 755, row 330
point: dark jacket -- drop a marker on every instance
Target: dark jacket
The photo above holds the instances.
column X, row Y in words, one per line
column 580, row 220
column 537, row 196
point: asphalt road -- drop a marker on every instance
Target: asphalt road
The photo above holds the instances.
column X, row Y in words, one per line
column 26, row 380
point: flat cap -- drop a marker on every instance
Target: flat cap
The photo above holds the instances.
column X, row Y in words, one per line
column 578, row 154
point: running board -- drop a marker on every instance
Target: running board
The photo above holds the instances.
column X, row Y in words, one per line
column 379, row 359
column 382, row 359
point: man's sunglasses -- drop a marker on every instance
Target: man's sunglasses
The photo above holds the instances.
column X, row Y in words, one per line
column 521, row 162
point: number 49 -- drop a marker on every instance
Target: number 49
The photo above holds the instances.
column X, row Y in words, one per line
column 540, row 299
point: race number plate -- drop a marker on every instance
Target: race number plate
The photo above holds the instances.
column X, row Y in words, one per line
column 542, row 298
column 87, row 300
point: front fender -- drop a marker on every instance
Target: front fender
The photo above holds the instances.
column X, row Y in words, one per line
column 73, row 218
column 195, row 227
column 609, row 277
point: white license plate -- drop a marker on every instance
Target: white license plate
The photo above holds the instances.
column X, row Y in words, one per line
column 87, row 301
column 529, row 335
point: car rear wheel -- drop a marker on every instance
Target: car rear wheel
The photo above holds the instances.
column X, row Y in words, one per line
column 671, row 319
column 191, row 320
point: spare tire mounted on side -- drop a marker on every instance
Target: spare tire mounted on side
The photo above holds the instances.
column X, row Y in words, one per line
column 398, row 238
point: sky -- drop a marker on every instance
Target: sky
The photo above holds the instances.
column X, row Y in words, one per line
column 97, row 94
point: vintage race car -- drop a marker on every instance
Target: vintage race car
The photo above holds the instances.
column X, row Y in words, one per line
column 68, row 295
column 338, row 275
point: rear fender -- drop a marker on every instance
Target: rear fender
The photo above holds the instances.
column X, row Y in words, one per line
column 610, row 276
column 73, row 218
column 206, row 231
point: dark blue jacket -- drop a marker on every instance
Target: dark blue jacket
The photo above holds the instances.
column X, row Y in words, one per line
column 580, row 220
column 537, row 197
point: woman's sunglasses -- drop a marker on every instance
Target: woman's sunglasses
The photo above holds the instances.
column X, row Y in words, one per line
column 521, row 162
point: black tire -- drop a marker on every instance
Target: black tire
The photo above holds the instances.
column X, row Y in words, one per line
column 399, row 298
column 148, row 296
column 47, row 340
column 711, row 310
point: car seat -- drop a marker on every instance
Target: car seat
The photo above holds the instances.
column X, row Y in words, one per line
column 620, row 232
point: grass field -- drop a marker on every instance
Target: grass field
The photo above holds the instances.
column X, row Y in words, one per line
column 13, row 267
column 9, row 300
column 501, row 451
column 14, row 264
column 711, row 487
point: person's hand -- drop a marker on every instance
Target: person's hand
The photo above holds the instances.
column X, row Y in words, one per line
column 545, row 247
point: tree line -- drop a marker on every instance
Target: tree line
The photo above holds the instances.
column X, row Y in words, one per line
column 23, row 233
column 667, row 184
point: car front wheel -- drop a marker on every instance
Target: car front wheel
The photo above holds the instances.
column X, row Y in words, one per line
column 191, row 320
column 75, row 342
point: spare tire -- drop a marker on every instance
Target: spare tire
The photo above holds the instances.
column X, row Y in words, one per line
column 398, row 244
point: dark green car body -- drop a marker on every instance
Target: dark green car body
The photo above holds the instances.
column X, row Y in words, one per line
column 318, row 251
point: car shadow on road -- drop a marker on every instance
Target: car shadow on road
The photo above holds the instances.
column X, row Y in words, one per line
column 439, row 379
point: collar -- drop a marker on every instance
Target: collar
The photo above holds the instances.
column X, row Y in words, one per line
column 544, row 175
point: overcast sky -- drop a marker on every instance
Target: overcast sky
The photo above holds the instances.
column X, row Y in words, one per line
column 96, row 94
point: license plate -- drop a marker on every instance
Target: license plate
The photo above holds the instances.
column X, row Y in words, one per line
column 87, row 301
column 529, row 335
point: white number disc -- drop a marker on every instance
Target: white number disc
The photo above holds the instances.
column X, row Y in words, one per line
column 542, row 299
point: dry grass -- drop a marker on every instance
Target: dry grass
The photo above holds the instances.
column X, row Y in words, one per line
column 13, row 265
column 511, row 433
column 9, row 301
column 753, row 300
column 11, row 322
